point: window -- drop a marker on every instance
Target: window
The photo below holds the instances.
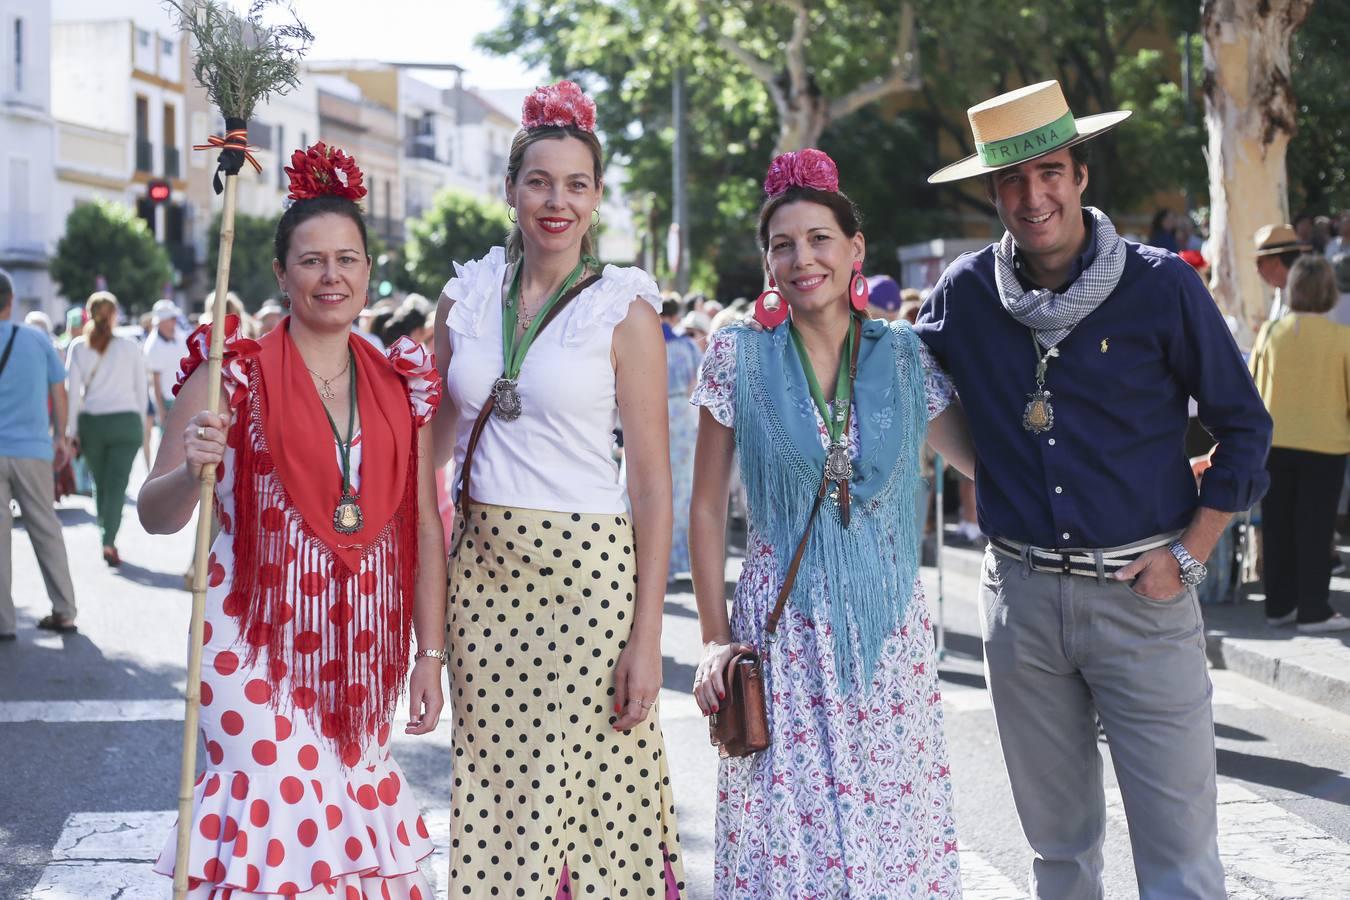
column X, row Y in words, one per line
column 166, row 46
column 18, row 55
column 142, row 37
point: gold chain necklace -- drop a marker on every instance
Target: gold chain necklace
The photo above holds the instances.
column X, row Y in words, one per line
column 326, row 391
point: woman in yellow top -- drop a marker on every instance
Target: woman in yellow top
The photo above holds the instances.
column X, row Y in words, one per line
column 1302, row 369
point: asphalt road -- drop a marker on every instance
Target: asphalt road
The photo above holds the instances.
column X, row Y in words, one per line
column 90, row 726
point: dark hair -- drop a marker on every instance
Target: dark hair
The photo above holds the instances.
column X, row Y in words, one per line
column 845, row 213
column 515, row 242
column 302, row 211
column 6, row 290
column 1158, row 218
column 670, row 307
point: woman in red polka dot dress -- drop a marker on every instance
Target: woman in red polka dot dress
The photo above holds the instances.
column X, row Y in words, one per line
column 328, row 562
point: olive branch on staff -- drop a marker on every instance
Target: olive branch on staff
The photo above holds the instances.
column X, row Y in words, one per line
column 240, row 61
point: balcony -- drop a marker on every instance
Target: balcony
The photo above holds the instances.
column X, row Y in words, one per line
column 145, row 157
column 418, row 149
column 172, row 163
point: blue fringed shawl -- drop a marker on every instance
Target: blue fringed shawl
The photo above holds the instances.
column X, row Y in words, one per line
column 868, row 570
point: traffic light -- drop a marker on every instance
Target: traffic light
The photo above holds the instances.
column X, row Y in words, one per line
column 158, row 191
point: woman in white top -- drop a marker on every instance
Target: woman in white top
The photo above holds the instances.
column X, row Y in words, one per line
column 555, row 600
column 107, row 411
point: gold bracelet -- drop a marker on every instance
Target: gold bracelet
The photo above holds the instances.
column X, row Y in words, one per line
column 434, row 654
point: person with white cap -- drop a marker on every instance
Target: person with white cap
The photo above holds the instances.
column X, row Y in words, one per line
column 1074, row 352
column 164, row 349
column 268, row 317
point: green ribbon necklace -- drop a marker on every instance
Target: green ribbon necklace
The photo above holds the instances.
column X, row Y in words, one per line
column 347, row 515
column 513, row 350
column 838, row 463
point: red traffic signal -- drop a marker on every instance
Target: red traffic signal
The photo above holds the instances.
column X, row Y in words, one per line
column 158, row 191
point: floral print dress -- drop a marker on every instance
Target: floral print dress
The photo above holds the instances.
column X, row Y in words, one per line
column 853, row 797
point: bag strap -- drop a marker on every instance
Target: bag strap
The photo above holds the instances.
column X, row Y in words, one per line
column 486, row 412
column 9, row 347
column 790, row 579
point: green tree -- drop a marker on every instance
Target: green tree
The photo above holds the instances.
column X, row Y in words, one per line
column 1319, row 154
column 251, row 257
column 110, row 241
column 458, row 227
column 759, row 75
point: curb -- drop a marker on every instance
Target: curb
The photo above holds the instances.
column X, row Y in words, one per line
column 1312, row 668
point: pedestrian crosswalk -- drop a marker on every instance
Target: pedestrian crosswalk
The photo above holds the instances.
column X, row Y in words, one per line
column 1268, row 852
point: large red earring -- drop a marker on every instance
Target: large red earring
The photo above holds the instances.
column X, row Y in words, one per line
column 771, row 309
column 858, row 289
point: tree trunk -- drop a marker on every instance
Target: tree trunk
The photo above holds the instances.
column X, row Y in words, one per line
column 1250, row 115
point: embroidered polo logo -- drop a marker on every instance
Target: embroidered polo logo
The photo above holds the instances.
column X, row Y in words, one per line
column 1105, row 346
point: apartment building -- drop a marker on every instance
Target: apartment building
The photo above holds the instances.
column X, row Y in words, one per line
column 27, row 136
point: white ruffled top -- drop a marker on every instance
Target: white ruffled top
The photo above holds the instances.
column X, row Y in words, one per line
column 559, row 455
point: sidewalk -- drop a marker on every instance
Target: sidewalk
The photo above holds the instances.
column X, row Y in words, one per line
column 1315, row 668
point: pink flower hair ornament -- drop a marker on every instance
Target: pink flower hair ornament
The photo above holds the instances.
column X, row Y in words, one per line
column 560, row 105
column 809, row 168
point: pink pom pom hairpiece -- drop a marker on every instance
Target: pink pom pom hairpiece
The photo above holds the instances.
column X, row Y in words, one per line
column 809, row 168
column 560, row 105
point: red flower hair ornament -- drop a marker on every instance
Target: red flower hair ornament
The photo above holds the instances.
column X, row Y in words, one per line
column 321, row 171
column 809, row 168
column 560, row 105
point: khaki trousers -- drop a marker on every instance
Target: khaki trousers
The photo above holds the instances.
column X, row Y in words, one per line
column 1061, row 652
column 29, row 481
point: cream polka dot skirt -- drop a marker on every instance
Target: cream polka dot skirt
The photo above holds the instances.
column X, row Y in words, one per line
column 549, row 801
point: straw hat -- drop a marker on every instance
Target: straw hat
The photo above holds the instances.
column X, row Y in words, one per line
column 1022, row 125
column 1273, row 239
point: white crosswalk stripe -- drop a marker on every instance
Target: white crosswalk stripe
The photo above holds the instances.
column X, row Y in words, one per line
column 1268, row 852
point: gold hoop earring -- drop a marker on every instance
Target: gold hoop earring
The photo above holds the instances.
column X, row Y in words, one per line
column 512, row 215
column 595, row 217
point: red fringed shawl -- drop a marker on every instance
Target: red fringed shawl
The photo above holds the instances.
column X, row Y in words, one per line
column 331, row 612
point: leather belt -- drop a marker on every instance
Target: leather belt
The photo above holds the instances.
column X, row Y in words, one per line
column 1076, row 561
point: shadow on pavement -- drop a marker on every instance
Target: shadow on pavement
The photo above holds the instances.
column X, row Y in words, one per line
column 1286, row 774
column 149, row 577
column 1235, row 734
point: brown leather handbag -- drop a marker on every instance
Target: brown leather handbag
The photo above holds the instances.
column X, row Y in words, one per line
column 740, row 726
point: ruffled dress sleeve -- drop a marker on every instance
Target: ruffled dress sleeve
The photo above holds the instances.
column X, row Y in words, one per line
column 716, row 388
column 411, row 360
column 234, row 366
column 605, row 304
column 937, row 386
column 475, row 287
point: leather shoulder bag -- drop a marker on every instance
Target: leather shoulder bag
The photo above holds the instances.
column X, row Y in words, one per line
column 740, row 727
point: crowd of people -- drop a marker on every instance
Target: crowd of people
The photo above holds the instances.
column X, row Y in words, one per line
column 815, row 409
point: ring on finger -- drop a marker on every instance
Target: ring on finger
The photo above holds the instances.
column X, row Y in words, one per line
column 645, row 705
column 201, row 432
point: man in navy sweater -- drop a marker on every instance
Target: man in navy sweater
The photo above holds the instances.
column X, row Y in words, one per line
column 1074, row 353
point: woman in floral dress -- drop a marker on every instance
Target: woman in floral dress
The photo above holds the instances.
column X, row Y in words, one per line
column 853, row 796
column 328, row 561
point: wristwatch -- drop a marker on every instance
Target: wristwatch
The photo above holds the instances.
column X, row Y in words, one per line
column 445, row 659
column 1193, row 571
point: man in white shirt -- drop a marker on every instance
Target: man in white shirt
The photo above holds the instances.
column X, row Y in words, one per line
column 164, row 350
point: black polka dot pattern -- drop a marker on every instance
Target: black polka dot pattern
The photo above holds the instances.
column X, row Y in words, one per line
column 549, row 801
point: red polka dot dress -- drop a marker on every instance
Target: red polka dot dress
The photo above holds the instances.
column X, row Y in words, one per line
column 281, row 809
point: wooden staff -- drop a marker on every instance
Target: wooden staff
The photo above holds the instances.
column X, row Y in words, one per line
column 199, row 566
